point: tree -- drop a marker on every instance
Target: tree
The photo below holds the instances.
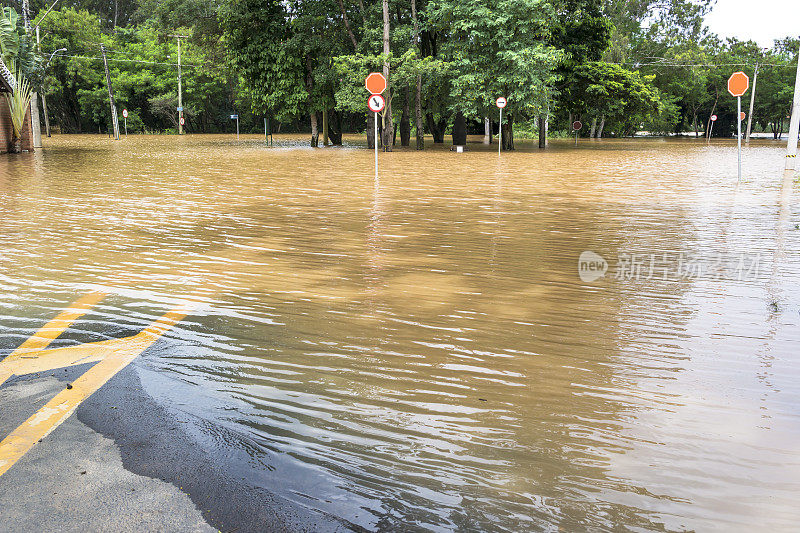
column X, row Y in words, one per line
column 497, row 47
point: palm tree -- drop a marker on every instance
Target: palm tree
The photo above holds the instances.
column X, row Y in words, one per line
column 18, row 102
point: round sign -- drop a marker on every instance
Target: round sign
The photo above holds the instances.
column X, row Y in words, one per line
column 183, row 121
column 375, row 83
column 501, row 102
column 742, row 115
column 576, row 125
column 713, row 118
column 376, row 103
column 125, row 113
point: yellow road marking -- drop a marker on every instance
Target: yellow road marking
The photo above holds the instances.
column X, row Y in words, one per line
column 113, row 356
column 42, row 338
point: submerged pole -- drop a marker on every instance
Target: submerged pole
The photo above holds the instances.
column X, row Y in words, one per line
column 794, row 125
column 739, row 132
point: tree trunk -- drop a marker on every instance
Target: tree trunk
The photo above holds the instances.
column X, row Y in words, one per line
column 602, row 127
column 542, row 131
column 388, row 125
column 459, row 130
column 405, row 123
column 593, row 129
column 696, row 129
column 508, row 133
column 325, row 127
column 418, row 99
column 487, row 131
column 314, row 130
column 46, row 116
column 335, row 127
column 436, row 129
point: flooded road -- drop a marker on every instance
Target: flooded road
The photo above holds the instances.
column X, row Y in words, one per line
column 422, row 351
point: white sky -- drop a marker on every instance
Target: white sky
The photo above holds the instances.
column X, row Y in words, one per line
column 758, row 20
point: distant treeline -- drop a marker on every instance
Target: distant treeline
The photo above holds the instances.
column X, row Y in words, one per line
column 620, row 66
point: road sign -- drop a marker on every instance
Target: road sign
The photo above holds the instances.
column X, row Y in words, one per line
column 180, row 108
column 577, row 125
column 738, row 83
column 742, row 115
column 125, row 113
column 501, row 102
column 375, row 83
column 234, row 117
column 376, row 103
column 713, row 118
column 183, row 121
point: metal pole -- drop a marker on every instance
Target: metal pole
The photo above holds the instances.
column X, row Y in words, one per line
column 739, row 132
column 376, row 145
column 126, row 125
column 265, row 130
column 44, row 98
column 114, row 119
column 237, row 127
column 752, row 101
column 576, row 137
column 794, row 125
column 500, row 133
column 180, row 89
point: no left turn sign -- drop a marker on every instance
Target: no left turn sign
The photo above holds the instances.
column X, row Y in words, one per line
column 376, row 103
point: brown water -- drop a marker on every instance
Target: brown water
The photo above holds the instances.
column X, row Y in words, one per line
column 419, row 352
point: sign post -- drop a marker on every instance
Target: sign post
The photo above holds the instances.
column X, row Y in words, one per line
column 576, row 127
column 501, row 103
column 794, row 126
column 738, row 84
column 236, row 117
column 376, row 103
column 375, row 83
column 125, row 118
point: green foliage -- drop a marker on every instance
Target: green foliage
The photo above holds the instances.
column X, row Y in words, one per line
column 18, row 101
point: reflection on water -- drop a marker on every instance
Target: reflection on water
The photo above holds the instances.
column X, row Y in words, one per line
column 419, row 351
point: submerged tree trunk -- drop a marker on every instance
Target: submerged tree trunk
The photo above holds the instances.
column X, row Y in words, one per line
column 487, row 131
column 542, row 131
column 405, row 123
column 459, row 130
column 388, row 125
column 593, row 128
column 436, row 129
column 508, row 133
column 696, row 129
column 314, row 129
column 325, row 127
column 335, row 127
column 602, row 127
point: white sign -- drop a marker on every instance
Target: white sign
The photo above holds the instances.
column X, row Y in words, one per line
column 501, row 102
column 376, row 103
column 234, row 117
column 713, row 118
column 125, row 113
column 183, row 121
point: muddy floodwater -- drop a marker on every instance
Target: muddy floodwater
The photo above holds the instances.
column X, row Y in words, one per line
column 422, row 351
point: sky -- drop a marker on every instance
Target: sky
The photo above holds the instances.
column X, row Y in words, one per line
column 758, row 20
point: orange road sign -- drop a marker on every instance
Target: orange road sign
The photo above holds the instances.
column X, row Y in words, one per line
column 742, row 115
column 738, row 83
column 375, row 83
